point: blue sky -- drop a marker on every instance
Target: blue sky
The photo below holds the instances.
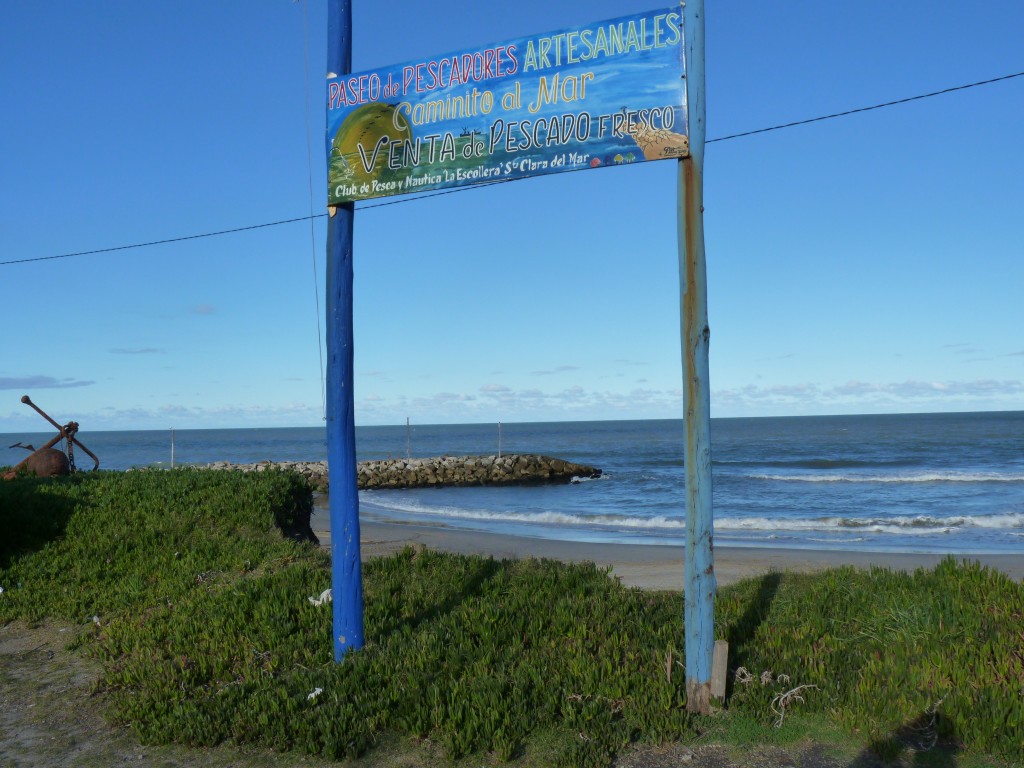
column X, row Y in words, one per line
column 866, row 264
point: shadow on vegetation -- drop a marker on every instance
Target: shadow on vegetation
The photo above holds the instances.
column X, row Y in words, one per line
column 918, row 743
column 30, row 517
column 744, row 631
column 472, row 585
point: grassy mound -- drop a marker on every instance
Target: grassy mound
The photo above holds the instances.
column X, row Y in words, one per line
column 198, row 607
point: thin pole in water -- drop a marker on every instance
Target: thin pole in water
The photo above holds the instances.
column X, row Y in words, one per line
column 346, row 563
column 499, row 439
column 408, row 440
column 172, row 447
column 699, row 610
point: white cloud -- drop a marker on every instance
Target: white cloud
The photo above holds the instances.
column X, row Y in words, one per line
column 499, row 402
column 869, row 397
column 559, row 369
column 179, row 416
column 42, row 382
column 137, row 351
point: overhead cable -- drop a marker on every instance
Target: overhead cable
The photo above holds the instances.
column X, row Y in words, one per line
column 411, row 199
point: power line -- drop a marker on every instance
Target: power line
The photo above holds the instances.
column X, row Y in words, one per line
column 165, row 242
column 866, row 109
column 503, row 181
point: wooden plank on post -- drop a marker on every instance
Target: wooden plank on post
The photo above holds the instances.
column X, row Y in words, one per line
column 700, row 570
column 346, row 563
column 720, row 669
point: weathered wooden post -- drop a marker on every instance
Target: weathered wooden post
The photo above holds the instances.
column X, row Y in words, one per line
column 346, row 565
column 699, row 611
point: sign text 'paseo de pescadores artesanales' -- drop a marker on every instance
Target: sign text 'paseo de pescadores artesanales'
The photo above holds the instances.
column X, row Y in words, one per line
column 607, row 93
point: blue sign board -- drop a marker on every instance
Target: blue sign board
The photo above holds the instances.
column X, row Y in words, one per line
column 608, row 93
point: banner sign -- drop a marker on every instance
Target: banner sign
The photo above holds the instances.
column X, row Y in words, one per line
column 604, row 94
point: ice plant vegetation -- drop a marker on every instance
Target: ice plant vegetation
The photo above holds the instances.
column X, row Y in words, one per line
column 207, row 634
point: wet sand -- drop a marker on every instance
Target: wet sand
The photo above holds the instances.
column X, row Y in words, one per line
column 648, row 567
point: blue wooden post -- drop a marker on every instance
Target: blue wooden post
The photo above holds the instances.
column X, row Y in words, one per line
column 699, row 611
column 346, row 565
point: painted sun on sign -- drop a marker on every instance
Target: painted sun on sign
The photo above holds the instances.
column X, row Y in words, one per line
column 609, row 93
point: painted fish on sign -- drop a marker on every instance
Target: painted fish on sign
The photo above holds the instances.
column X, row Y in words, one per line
column 608, row 93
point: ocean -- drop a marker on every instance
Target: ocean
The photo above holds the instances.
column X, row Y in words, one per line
column 939, row 483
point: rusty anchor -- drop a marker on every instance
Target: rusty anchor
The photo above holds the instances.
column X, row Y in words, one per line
column 48, row 461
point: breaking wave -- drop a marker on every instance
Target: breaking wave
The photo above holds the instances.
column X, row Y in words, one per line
column 922, row 477
column 904, row 525
column 814, row 463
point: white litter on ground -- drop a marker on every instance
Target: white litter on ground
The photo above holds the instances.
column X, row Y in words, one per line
column 325, row 597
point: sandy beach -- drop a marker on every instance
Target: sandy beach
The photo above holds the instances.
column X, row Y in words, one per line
column 645, row 566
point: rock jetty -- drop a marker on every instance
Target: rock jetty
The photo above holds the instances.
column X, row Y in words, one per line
column 513, row 469
column 509, row 469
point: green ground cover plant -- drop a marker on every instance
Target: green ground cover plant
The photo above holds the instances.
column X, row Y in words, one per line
column 198, row 607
